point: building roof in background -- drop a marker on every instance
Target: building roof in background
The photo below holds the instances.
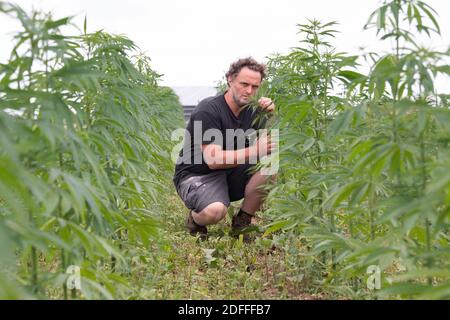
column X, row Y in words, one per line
column 191, row 96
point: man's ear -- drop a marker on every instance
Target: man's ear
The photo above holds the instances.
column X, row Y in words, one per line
column 230, row 79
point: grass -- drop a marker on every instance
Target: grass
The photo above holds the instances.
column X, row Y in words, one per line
column 220, row 268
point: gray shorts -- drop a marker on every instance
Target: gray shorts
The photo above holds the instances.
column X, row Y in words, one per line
column 228, row 185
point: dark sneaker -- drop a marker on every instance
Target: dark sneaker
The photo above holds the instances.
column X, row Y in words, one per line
column 194, row 229
column 242, row 224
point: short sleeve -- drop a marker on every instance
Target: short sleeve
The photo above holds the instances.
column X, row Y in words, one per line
column 209, row 126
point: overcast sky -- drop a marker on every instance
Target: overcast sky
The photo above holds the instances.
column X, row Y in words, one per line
column 193, row 42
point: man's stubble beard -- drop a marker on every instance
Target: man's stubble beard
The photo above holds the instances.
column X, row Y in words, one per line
column 239, row 103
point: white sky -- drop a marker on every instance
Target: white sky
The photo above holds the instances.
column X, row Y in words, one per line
column 193, row 42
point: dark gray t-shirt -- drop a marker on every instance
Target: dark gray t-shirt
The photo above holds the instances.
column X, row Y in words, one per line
column 214, row 113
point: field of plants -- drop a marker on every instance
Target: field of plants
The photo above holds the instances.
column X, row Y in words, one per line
column 360, row 209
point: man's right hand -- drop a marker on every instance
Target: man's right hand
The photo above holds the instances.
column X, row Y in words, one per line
column 264, row 145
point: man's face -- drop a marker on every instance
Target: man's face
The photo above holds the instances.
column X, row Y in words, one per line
column 244, row 86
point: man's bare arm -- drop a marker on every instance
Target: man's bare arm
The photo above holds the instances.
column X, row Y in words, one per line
column 217, row 158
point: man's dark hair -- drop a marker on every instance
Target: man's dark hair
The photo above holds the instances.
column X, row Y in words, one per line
column 250, row 63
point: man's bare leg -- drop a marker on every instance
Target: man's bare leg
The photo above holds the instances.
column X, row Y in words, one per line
column 254, row 195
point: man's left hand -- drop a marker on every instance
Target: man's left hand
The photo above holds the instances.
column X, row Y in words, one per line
column 266, row 104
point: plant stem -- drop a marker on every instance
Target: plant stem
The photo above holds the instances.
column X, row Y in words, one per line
column 371, row 210
column 429, row 260
column 34, row 270
column 63, row 267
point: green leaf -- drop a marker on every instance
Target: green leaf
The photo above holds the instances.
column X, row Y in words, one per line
column 274, row 227
column 49, row 24
column 308, row 144
column 340, row 124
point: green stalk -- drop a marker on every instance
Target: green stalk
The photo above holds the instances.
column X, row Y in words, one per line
column 428, row 242
column 64, row 267
column 34, row 270
column 47, row 79
column 333, row 253
column 397, row 30
column 324, row 123
column 429, row 260
column 372, row 193
column 63, row 253
column 395, row 97
column 371, row 210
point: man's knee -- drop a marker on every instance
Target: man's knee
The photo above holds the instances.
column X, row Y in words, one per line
column 215, row 211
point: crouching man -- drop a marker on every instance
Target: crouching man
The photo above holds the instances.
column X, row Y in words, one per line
column 215, row 165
